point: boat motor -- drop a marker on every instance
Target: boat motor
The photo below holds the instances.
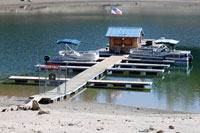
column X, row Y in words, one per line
column 46, row 58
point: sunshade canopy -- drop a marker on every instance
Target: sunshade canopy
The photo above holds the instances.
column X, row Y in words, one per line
column 69, row 41
column 166, row 41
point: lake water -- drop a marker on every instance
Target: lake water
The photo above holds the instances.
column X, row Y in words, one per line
column 25, row 39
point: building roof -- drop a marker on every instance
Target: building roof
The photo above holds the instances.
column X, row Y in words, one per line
column 124, row 32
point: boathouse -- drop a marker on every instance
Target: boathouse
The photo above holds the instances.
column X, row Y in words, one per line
column 122, row 39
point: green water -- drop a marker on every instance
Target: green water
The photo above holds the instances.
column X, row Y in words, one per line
column 25, row 39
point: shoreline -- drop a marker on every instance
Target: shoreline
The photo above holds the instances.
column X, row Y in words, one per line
column 39, row 2
column 72, row 116
column 9, row 102
column 96, row 6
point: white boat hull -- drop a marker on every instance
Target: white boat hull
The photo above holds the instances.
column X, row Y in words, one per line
column 85, row 56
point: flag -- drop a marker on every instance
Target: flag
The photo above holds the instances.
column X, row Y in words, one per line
column 115, row 11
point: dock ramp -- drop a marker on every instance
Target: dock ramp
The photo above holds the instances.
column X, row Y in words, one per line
column 79, row 81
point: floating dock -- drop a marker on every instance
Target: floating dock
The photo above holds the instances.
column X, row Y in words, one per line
column 126, row 84
column 93, row 71
column 137, row 68
column 78, row 82
column 33, row 78
column 135, row 71
column 69, row 68
column 142, row 65
column 85, row 65
column 105, row 83
column 128, row 60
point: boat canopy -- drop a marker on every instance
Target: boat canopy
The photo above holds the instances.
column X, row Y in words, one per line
column 69, row 41
column 166, row 41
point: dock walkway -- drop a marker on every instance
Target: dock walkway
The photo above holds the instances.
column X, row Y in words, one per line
column 79, row 81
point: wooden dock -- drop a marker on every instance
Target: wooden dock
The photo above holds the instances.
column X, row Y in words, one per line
column 105, row 83
column 79, row 81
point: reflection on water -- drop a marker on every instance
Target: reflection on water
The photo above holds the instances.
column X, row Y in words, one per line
column 25, row 39
column 174, row 92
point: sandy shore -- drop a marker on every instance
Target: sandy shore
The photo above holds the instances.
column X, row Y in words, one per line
column 75, row 117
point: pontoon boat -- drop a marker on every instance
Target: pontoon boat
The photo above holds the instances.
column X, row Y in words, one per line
column 71, row 55
column 161, row 51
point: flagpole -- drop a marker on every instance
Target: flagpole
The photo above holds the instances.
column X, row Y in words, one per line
column 111, row 16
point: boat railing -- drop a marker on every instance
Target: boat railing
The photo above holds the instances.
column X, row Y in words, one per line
column 89, row 52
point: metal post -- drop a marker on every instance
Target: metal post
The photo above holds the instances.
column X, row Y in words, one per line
column 39, row 80
column 45, row 86
column 58, row 88
column 66, row 78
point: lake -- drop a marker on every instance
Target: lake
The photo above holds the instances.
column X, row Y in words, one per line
column 26, row 37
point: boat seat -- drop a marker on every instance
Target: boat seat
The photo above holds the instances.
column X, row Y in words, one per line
column 62, row 53
column 117, row 50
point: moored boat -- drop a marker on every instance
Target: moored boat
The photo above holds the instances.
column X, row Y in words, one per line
column 72, row 55
column 160, row 51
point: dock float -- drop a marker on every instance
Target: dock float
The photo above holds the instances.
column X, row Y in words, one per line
column 86, row 65
column 129, row 60
column 34, row 78
column 69, row 68
column 78, row 82
column 135, row 71
column 144, row 68
column 106, row 83
column 125, row 84
column 142, row 65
